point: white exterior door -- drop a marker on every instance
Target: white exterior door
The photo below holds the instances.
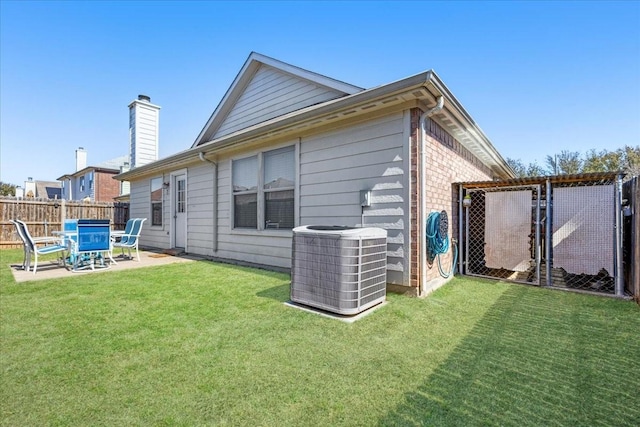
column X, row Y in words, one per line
column 180, row 210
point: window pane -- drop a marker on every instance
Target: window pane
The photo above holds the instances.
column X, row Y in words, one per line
column 156, row 201
column 279, row 168
column 245, row 211
column 279, row 209
column 181, row 193
column 156, row 213
column 245, row 174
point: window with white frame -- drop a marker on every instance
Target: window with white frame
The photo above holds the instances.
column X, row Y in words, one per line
column 81, row 183
column 156, row 201
column 245, row 193
column 91, row 180
column 263, row 190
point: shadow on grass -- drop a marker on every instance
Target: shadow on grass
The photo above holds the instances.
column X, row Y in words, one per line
column 536, row 358
column 279, row 293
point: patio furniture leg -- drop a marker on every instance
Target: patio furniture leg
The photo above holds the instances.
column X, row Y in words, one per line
column 110, row 253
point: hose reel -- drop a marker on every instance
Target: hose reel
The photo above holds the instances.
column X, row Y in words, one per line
column 438, row 240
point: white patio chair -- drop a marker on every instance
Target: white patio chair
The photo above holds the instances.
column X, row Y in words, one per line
column 25, row 246
column 129, row 239
column 51, row 246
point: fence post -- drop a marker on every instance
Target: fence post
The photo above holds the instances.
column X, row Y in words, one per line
column 619, row 275
column 635, row 237
column 548, row 236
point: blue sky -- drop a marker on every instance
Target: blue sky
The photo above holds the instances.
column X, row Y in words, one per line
column 538, row 77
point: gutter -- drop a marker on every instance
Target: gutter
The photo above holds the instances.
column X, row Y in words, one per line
column 215, row 200
column 422, row 216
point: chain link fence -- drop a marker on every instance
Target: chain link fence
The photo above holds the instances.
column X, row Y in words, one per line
column 562, row 231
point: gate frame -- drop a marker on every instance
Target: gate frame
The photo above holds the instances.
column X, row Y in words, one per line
column 600, row 178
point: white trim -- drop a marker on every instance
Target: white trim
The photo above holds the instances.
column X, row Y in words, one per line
column 163, row 201
column 296, row 187
column 172, row 208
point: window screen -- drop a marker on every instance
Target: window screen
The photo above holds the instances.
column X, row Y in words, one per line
column 279, row 168
column 245, row 174
column 156, row 201
column 279, row 180
column 245, row 210
column 279, row 209
column 245, row 189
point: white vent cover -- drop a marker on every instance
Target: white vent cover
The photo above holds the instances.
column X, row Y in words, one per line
column 339, row 269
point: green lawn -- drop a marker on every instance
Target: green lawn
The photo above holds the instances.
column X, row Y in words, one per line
column 212, row 344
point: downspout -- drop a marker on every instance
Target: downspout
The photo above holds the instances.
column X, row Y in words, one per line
column 215, row 200
column 422, row 167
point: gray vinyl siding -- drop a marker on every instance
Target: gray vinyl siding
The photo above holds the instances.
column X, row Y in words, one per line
column 140, row 207
column 272, row 93
column 335, row 166
column 144, row 134
column 200, row 194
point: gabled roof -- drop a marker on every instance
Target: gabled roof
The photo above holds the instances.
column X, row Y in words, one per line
column 48, row 189
column 420, row 90
column 266, row 88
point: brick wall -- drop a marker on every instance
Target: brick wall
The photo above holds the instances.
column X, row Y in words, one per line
column 106, row 188
column 448, row 162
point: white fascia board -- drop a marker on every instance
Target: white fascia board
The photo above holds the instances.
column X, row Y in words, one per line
column 306, row 74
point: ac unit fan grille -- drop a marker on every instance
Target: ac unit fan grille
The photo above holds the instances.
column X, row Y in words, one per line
column 342, row 274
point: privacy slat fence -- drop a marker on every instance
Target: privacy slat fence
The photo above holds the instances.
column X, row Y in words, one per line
column 44, row 216
column 575, row 232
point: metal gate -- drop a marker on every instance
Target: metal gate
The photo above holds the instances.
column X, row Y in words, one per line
column 561, row 231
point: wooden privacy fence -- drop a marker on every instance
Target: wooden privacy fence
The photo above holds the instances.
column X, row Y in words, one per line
column 45, row 215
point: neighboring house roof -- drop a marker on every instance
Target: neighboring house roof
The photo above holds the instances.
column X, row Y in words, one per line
column 343, row 102
column 88, row 169
column 114, row 163
column 109, row 166
column 48, row 189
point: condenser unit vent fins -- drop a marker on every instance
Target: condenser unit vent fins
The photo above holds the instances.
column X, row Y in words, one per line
column 339, row 269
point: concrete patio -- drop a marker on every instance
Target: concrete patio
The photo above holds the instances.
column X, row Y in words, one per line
column 51, row 270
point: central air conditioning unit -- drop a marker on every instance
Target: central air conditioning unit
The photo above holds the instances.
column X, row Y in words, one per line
column 339, row 269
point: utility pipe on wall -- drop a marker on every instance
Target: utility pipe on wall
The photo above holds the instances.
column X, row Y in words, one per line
column 422, row 232
column 215, row 200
